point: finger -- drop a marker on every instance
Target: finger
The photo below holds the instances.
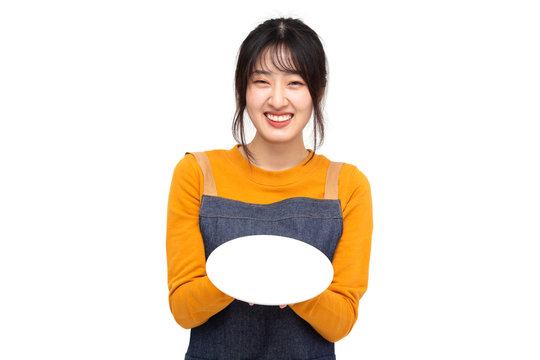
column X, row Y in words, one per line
column 251, row 304
column 282, row 306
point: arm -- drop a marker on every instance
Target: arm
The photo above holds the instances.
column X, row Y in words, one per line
column 334, row 312
column 193, row 299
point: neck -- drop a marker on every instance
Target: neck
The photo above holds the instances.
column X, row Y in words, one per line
column 277, row 156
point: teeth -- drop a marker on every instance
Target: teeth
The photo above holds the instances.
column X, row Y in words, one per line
column 279, row 118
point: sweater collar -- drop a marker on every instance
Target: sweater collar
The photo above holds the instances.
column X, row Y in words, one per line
column 273, row 178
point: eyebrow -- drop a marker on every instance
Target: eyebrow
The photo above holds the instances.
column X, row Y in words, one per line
column 265, row 72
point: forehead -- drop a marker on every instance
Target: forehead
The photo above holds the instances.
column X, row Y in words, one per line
column 275, row 59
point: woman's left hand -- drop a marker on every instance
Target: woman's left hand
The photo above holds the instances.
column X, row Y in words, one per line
column 281, row 306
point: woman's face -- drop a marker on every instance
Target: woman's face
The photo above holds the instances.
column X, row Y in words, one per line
column 278, row 103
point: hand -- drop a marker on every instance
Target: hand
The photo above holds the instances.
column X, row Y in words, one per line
column 281, row 306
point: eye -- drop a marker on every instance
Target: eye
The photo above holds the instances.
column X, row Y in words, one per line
column 296, row 83
column 259, row 82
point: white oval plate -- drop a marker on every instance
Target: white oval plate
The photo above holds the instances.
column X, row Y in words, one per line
column 269, row 270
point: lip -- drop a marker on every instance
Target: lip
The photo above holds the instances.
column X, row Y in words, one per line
column 278, row 124
column 278, row 113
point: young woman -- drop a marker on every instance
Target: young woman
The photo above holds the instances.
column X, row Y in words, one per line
column 273, row 185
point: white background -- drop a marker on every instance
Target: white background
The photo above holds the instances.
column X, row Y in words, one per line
column 437, row 102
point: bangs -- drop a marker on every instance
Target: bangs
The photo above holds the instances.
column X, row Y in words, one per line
column 280, row 57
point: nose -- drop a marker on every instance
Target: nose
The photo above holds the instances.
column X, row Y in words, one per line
column 278, row 97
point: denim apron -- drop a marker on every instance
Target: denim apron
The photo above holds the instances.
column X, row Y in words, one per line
column 241, row 331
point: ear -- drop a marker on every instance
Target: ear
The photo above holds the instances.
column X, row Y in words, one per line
column 321, row 95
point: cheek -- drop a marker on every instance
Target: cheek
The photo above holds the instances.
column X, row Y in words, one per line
column 253, row 98
column 303, row 101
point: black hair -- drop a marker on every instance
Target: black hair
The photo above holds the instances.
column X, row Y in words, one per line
column 307, row 58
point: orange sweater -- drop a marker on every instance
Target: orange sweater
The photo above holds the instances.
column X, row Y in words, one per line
column 194, row 299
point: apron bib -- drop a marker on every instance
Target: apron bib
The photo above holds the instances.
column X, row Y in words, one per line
column 241, row 331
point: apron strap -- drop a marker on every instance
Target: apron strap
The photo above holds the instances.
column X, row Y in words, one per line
column 204, row 164
column 332, row 176
column 330, row 189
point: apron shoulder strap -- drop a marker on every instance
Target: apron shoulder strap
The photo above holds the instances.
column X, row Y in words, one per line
column 204, row 164
column 332, row 176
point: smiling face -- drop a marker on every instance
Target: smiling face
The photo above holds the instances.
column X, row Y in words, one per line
column 278, row 102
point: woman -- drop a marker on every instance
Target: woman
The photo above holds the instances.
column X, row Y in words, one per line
column 220, row 195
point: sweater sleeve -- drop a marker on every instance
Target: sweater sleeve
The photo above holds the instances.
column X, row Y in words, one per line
column 334, row 312
column 193, row 299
